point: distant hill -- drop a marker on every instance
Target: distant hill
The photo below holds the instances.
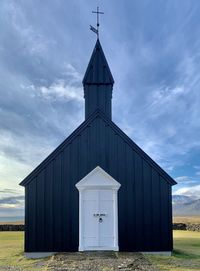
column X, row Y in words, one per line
column 179, row 199
column 185, row 206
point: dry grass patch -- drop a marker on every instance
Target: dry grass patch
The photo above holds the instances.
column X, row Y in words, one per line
column 186, row 219
column 186, row 255
column 12, row 223
column 12, row 256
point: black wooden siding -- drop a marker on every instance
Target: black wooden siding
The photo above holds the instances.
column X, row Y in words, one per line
column 144, row 199
column 98, row 96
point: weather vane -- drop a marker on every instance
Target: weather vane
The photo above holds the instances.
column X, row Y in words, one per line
column 96, row 30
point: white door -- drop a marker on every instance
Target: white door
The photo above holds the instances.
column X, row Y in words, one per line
column 98, row 215
column 98, row 220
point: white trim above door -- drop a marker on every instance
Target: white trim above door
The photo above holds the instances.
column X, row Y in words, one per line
column 98, row 212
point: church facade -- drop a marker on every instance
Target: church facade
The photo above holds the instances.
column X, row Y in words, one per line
column 98, row 190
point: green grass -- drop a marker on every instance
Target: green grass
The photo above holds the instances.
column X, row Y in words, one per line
column 12, row 256
column 186, row 255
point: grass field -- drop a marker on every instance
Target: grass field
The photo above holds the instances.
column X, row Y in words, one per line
column 11, row 254
column 186, row 256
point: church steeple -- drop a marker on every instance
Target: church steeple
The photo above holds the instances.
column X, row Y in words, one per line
column 98, row 83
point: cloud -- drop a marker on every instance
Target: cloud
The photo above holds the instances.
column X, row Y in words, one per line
column 10, row 212
column 12, row 206
column 63, row 89
column 183, row 179
column 7, row 190
column 196, row 167
column 60, row 90
column 162, row 82
column 165, row 94
column 72, row 74
column 168, row 113
column 193, row 191
column 11, row 200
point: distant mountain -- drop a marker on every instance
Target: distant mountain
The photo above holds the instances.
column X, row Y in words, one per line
column 187, row 208
column 11, row 218
column 179, row 199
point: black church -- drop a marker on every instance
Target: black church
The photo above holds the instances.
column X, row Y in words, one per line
column 98, row 190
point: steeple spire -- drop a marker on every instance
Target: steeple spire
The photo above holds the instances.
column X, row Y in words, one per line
column 98, row 71
column 98, row 83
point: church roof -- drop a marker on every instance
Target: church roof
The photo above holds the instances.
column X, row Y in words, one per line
column 80, row 129
column 98, row 71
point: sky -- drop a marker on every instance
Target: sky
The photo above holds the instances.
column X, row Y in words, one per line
column 153, row 50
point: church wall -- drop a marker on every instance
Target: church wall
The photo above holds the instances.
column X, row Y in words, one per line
column 144, row 199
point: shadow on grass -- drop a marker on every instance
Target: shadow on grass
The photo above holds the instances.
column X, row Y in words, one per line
column 183, row 255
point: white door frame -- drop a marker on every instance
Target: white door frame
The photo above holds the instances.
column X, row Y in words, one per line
column 98, row 179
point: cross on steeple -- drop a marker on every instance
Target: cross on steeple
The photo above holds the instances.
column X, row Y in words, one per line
column 96, row 30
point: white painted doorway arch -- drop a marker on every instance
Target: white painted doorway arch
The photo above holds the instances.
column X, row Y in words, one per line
column 98, row 211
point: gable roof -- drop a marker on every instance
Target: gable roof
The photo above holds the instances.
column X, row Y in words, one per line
column 97, row 177
column 69, row 139
column 98, row 71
